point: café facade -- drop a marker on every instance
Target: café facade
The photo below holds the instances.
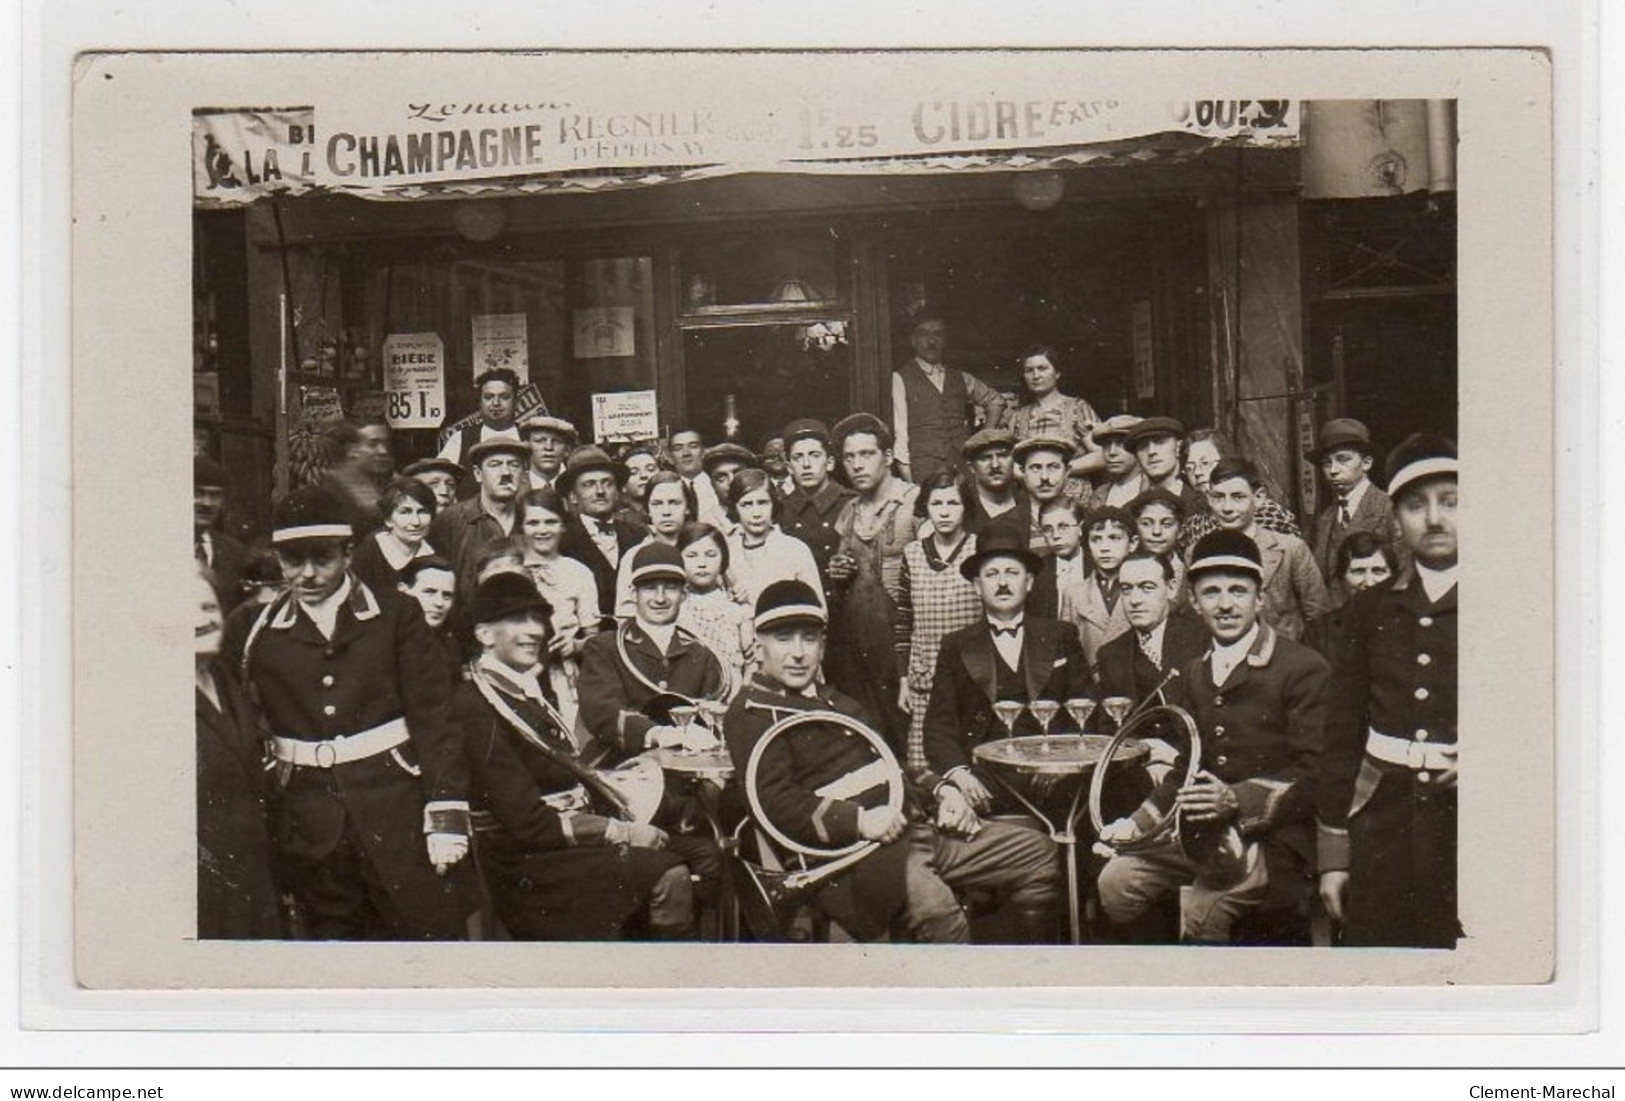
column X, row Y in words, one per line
column 734, row 252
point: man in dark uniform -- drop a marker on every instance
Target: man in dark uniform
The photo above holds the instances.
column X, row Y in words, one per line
column 373, row 813
column 809, row 510
column 907, row 885
column 560, row 861
column 594, row 534
column 1387, row 791
column 1259, row 700
column 1008, row 655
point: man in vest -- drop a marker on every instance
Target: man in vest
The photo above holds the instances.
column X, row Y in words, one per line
column 498, row 389
column 931, row 403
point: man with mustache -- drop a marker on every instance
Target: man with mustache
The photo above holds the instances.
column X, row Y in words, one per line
column 1387, row 797
column 907, row 885
column 1008, row 655
column 1246, row 819
column 373, row 813
column 463, row 531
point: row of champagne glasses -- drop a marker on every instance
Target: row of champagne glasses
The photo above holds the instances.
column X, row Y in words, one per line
column 1080, row 708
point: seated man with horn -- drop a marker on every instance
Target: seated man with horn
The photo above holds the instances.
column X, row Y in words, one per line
column 828, row 782
column 562, row 856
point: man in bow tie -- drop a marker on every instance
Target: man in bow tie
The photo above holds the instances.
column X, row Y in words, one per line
column 1008, row 655
column 594, row 535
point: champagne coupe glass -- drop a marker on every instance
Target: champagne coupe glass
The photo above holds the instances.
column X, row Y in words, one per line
column 1044, row 711
column 1080, row 708
column 1008, row 711
column 683, row 715
column 1118, row 708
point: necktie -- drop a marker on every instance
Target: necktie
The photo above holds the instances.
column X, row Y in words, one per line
column 200, row 550
column 1149, row 650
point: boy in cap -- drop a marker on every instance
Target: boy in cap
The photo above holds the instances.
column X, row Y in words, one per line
column 373, row 814
column 561, row 858
column 1157, row 443
column 1387, row 800
column 907, row 885
column 1294, row 592
column 1259, row 701
column 809, row 510
column 1344, row 457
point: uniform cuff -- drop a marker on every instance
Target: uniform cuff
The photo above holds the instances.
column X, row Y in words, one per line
column 448, row 816
column 1331, row 849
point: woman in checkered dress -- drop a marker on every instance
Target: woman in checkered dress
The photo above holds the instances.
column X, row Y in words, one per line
column 935, row 598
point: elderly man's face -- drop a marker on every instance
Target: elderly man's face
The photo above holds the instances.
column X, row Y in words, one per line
column 496, row 402
column 930, row 340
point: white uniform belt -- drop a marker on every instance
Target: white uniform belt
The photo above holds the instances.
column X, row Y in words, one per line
column 1403, row 751
column 339, row 751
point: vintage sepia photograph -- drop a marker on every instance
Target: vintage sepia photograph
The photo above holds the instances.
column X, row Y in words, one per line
column 833, row 505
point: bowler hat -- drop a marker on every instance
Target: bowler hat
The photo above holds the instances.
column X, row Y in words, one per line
column 986, row 439
column 583, row 460
column 310, row 513
column 1000, row 539
column 1151, row 427
column 789, row 601
column 208, row 473
column 657, row 562
column 1043, row 443
column 1342, row 432
column 1226, row 550
column 1420, row 457
column 806, row 429
column 497, row 445
column 507, row 594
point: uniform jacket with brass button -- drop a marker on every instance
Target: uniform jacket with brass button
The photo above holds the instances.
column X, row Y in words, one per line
column 613, row 696
column 810, row 517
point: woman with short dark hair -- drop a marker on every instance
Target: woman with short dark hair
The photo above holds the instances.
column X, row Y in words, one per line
column 408, row 506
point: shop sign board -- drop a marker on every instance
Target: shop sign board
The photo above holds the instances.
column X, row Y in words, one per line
column 319, row 405
column 502, row 340
column 604, row 332
column 624, row 417
column 414, row 380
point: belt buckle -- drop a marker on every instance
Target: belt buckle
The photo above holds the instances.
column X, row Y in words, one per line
column 332, row 754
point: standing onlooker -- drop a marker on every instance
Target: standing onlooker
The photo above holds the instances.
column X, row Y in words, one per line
column 409, row 507
column 595, row 534
column 1205, row 448
column 641, row 461
column 1344, row 457
column 671, row 505
column 933, row 597
column 997, row 494
column 809, row 511
column 1156, row 443
column 875, row 527
column 1048, row 412
column 760, row 553
column 1294, row 594
column 463, row 531
column 1123, row 479
column 550, row 439
column 710, row 611
column 223, row 556
column 1158, row 518
column 365, row 467
column 1094, row 605
column 1042, row 462
column 498, row 391
column 566, row 585
column 441, row 476
column 687, row 449
column 930, row 403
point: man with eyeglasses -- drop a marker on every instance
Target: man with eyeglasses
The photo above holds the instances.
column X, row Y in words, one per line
column 463, row 531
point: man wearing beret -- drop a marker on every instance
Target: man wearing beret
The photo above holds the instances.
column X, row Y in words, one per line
column 1387, row 794
column 809, row 510
column 1344, row 457
column 805, row 784
column 464, row 531
column 373, row 815
column 221, row 555
column 1245, row 821
column 561, row 858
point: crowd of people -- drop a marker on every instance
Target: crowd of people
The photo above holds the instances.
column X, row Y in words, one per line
column 433, row 703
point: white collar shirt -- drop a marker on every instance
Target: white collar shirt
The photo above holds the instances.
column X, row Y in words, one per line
column 326, row 614
column 1436, row 583
column 1226, row 658
column 1009, row 645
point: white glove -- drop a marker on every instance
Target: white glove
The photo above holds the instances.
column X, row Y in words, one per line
column 446, row 849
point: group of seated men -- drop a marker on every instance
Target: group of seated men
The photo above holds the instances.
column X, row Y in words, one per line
column 1327, row 772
